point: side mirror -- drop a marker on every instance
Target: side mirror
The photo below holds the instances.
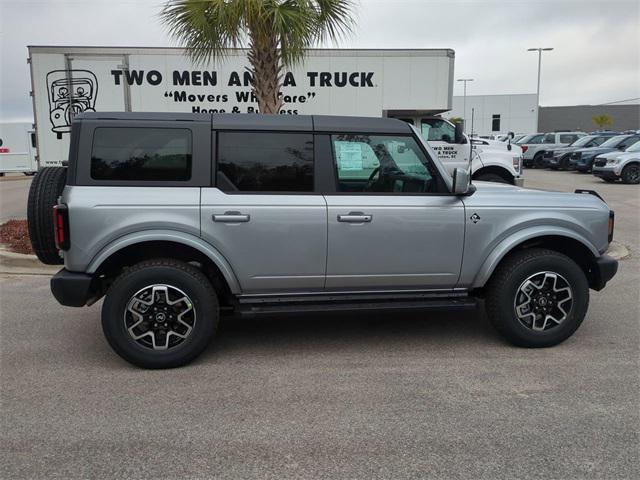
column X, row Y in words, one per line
column 461, row 185
column 511, row 135
column 459, row 133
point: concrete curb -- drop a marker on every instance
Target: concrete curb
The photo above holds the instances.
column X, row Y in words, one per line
column 617, row 251
column 18, row 263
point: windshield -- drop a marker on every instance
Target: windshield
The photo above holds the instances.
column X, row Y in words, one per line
column 535, row 138
column 613, row 141
column 634, row 148
column 581, row 142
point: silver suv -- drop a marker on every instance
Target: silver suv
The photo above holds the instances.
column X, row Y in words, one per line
column 534, row 148
column 179, row 218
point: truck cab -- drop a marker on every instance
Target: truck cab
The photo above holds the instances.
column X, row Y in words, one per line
column 492, row 161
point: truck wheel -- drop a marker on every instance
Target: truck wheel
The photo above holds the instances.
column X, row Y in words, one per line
column 160, row 313
column 44, row 191
column 491, row 177
column 631, row 174
column 538, row 160
column 537, row 298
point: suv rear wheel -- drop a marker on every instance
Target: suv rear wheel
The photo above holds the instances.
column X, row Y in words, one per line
column 537, row 298
column 538, row 160
column 160, row 313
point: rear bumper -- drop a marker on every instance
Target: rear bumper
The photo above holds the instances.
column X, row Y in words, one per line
column 606, row 268
column 72, row 289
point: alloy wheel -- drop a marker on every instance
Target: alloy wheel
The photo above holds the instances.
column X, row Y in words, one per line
column 159, row 317
column 543, row 301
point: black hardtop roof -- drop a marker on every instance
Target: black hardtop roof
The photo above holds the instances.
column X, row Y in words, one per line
column 252, row 121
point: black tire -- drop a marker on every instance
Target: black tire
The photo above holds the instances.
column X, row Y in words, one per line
column 631, row 174
column 511, row 275
column 491, row 177
column 45, row 189
column 177, row 275
column 538, row 160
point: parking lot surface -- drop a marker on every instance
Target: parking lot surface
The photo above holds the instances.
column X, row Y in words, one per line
column 14, row 190
column 386, row 396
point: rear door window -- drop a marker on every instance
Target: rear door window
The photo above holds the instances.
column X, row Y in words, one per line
column 141, row 154
column 265, row 162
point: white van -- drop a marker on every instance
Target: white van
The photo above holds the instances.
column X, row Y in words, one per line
column 18, row 148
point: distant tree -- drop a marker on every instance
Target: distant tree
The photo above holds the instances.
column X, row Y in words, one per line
column 602, row 120
column 276, row 32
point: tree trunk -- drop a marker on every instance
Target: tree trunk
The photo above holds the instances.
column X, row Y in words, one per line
column 264, row 58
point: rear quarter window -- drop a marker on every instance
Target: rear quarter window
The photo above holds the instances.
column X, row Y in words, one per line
column 141, row 154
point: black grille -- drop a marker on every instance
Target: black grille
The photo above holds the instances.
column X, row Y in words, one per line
column 600, row 162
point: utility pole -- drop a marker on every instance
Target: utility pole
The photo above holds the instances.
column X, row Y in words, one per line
column 539, row 50
column 464, row 101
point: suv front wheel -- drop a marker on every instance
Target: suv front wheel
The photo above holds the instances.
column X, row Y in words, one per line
column 537, row 298
column 160, row 313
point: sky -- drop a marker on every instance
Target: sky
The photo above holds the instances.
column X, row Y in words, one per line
column 596, row 56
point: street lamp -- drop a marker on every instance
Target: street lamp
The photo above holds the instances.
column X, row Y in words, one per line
column 539, row 50
column 464, row 101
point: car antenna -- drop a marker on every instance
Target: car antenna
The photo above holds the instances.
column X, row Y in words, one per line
column 471, row 145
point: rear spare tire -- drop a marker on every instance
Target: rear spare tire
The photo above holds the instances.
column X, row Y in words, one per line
column 45, row 189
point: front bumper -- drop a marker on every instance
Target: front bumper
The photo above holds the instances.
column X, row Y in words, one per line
column 583, row 165
column 605, row 269
column 611, row 171
column 73, row 289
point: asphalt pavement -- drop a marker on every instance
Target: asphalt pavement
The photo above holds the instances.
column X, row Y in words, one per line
column 385, row 396
column 14, row 190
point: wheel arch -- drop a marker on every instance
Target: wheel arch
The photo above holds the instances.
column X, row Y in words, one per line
column 137, row 247
column 497, row 170
column 569, row 243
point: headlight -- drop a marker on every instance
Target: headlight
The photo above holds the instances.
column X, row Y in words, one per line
column 613, row 160
column 517, row 163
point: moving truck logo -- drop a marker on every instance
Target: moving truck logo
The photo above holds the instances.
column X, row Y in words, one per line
column 70, row 92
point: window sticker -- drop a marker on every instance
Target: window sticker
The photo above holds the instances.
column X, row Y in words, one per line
column 349, row 155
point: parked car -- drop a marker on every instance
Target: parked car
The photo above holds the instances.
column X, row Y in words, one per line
column 582, row 159
column 558, row 159
column 531, row 138
column 533, row 155
column 176, row 218
column 624, row 166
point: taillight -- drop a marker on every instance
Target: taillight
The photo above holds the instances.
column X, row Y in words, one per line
column 524, row 148
column 61, row 226
column 612, row 218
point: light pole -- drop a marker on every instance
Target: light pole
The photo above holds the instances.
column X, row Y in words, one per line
column 464, row 101
column 539, row 50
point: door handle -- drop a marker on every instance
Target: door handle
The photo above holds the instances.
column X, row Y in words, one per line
column 231, row 217
column 355, row 217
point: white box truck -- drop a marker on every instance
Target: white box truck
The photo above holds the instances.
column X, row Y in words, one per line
column 17, row 148
column 414, row 85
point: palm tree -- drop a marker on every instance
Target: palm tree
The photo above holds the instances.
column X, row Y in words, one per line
column 276, row 32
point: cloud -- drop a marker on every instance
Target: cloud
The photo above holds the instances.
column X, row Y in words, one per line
column 596, row 57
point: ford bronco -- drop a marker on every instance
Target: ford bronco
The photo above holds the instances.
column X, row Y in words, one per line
column 178, row 218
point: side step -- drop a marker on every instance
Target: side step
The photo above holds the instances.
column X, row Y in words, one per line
column 455, row 303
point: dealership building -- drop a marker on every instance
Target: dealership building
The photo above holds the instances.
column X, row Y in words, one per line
column 493, row 114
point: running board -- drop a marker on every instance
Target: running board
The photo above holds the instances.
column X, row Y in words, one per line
column 455, row 303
